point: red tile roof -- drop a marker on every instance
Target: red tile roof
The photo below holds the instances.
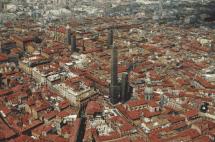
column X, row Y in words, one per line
column 124, row 139
column 134, row 115
column 50, row 115
column 5, row 110
column 76, row 127
column 204, row 125
column 125, row 126
column 93, row 107
column 212, row 132
column 5, row 131
column 66, row 112
column 191, row 113
column 176, row 126
column 148, row 114
column 64, row 104
column 189, row 133
column 203, row 139
column 154, row 75
column 87, row 134
column 175, row 119
column 204, row 82
column 111, row 136
column 22, row 138
column 5, row 92
column 139, row 139
column 54, row 138
column 42, row 128
column 153, row 104
column 134, row 103
column 3, row 57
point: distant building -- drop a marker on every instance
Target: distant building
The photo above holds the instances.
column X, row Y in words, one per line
column 6, row 46
column 77, row 90
column 27, row 64
column 22, row 41
column 148, row 93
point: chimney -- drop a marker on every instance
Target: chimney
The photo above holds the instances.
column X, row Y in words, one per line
column 73, row 43
column 110, row 38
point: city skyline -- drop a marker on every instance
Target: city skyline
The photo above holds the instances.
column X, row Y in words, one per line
column 107, row 71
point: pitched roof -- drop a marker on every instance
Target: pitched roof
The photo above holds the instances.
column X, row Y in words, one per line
column 93, row 107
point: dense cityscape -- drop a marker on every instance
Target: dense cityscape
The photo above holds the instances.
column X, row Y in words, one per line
column 107, row 71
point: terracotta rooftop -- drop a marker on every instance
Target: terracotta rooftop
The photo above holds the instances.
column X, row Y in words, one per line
column 93, row 107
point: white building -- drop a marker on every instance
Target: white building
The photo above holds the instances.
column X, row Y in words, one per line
column 75, row 96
